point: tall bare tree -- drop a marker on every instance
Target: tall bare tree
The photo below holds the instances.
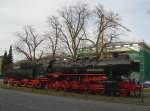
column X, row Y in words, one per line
column 53, row 35
column 28, row 44
column 73, row 21
column 107, row 30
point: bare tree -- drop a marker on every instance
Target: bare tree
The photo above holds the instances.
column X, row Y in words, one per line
column 53, row 35
column 73, row 22
column 28, row 44
column 107, row 31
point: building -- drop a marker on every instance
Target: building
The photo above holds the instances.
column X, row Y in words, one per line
column 138, row 52
column 1, row 58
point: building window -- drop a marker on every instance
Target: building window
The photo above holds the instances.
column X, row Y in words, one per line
column 118, row 46
column 126, row 45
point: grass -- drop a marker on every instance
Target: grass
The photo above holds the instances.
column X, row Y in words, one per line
column 147, row 90
column 126, row 100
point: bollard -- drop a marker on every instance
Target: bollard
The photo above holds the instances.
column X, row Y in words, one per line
column 142, row 94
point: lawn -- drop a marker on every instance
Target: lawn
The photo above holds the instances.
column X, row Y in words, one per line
column 147, row 90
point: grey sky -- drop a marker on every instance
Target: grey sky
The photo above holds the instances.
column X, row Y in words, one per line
column 14, row 14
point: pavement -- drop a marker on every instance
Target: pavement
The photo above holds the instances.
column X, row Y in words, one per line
column 22, row 101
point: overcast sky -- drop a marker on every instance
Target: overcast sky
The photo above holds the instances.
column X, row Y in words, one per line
column 14, row 14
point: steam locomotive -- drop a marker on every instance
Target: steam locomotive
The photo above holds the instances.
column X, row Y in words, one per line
column 103, row 77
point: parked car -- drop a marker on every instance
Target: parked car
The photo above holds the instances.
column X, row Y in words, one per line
column 146, row 84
